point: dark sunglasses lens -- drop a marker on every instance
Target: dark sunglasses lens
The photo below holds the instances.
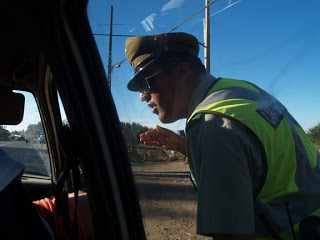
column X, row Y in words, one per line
column 143, row 84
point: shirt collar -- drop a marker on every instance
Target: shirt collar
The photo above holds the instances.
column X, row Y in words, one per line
column 199, row 93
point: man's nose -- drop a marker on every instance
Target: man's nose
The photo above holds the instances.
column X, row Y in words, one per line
column 144, row 97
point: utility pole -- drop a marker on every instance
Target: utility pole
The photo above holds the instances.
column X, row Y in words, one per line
column 110, row 50
column 206, row 24
column 206, row 31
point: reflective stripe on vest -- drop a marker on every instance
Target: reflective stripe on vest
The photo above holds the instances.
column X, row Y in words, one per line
column 293, row 174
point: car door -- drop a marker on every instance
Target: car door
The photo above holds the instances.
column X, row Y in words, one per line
column 56, row 48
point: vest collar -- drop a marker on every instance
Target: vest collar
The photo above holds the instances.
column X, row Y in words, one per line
column 200, row 92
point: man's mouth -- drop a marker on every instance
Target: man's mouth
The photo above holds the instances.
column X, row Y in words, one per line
column 154, row 110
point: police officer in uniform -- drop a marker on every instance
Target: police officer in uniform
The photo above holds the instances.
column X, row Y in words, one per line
column 256, row 171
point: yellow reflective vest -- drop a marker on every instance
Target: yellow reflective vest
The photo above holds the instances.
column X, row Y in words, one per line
column 293, row 171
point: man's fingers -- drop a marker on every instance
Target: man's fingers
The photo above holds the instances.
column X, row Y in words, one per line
column 148, row 138
column 153, row 143
column 165, row 131
column 161, row 129
column 149, row 133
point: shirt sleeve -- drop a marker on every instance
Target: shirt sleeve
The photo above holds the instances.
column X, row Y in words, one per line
column 47, row 208
column 227, row 164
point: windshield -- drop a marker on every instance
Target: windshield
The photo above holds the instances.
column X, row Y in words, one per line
column 26, row 141
column 273, row 44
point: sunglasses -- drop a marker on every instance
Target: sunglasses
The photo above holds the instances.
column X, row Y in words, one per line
column 143, row 83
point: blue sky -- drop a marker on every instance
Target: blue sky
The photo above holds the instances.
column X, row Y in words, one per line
column 274, row 44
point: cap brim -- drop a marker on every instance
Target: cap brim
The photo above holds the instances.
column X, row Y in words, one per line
column 133, row 84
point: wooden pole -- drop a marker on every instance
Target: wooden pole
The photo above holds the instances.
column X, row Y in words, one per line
column 110, row 49
column 206, row 31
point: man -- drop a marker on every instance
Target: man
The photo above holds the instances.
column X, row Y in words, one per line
column 18, row 218
column 254, row 167
column 21, row 219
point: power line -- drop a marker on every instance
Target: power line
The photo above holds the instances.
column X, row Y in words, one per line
column 193, row 15
column 113, row 35
column 225, row 8
column 109, row 24
column 119, row 63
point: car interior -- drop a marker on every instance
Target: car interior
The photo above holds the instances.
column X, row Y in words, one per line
column 48, row 51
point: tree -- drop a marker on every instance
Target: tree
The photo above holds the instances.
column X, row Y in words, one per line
column 133, row 131
column 4, row 133
column 34, row 130
column 15, row 132
column 314, row 134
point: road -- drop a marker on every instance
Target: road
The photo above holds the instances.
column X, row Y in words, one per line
column 33, row 155
column 168, row 200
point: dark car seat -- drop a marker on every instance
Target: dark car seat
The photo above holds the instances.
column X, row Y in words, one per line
column 18, row 217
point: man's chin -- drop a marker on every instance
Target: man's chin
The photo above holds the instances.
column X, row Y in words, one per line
column 166, row 119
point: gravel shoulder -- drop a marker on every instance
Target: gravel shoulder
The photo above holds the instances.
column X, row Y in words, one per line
column 168, row 199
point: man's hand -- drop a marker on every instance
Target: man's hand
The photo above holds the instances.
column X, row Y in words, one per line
column 165, row 138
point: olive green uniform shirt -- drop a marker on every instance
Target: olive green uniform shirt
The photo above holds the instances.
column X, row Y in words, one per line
column 227, row 164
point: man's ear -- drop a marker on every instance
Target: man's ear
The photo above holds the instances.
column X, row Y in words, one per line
column 183, row 71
